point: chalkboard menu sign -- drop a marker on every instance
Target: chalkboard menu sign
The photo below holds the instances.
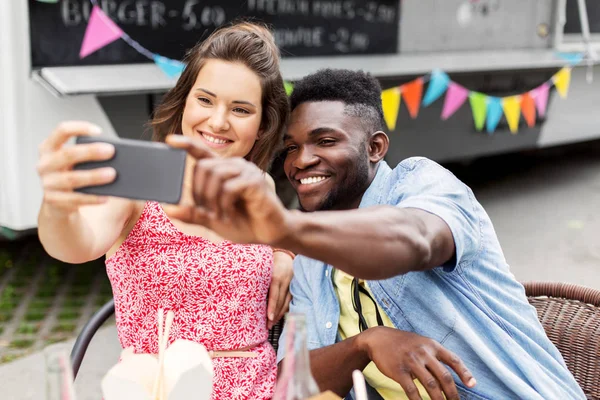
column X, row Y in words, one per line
column 573, row 25
column 170, row 27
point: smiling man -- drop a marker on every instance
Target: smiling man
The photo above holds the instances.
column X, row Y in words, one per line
column 393, row 264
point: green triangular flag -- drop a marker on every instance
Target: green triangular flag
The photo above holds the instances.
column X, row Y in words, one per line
column 289, row 87
column 479, row 107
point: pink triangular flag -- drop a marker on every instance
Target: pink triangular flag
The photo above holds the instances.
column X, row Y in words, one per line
column 455, row 97
column 540, row 95
column 100, row 31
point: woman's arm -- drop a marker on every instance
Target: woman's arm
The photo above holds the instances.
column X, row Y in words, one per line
column 85, row 234
column 72, row 226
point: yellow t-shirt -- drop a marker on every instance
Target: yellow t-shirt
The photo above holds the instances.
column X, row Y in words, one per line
column 348, row 327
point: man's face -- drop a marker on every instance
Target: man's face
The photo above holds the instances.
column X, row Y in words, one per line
column 327, row 158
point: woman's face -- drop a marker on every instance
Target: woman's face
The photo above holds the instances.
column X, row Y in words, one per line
column 224, row 108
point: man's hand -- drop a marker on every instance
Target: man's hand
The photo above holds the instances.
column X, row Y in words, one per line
column 404, row 356
column 231, row 197
column 279, row 291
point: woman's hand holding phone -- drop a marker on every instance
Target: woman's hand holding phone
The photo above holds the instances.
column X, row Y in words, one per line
column 55, row 167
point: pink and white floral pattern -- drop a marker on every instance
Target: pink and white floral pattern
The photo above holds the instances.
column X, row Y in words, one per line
column 218, row 293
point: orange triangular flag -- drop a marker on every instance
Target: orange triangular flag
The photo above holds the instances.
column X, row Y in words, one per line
column 412, row 92
column 528, row 109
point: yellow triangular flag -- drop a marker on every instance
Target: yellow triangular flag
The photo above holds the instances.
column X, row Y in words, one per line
column 390, row 99
column 562, row 80
column 512, row 109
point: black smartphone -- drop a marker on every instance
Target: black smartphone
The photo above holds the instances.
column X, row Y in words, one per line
column 145, row 170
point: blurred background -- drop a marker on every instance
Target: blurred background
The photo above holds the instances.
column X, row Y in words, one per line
column 504, row 93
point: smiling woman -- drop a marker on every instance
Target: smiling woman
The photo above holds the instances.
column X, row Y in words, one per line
column 229, row 82
column 224, row 108
column 230, row 98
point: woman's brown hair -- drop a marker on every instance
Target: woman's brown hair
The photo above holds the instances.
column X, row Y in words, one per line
column 247, row 43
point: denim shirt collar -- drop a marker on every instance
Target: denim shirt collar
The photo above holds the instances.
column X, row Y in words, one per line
column 372, row 195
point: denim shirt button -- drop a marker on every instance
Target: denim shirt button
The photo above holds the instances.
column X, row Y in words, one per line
column 385, row 303
column 328, row 325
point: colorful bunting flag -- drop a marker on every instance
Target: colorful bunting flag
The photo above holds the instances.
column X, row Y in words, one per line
column 512, row 109
column 572, row 58
column 390, row 100
column 455, row 97
column 479, row 107
column 562, row 79
column 540, row 95
column 494, row 113
column 172, row 68
column 289, row 88
column 412, row 92
column 99, row 32
column 438, row 83
column 488, row 110
column 528, row 109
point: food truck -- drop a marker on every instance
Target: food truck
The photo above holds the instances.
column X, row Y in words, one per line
column 461, row 78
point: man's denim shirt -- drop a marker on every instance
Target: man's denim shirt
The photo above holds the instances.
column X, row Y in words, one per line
column 474, row 307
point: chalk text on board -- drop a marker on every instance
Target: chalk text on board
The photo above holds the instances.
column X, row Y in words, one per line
column 154, row 14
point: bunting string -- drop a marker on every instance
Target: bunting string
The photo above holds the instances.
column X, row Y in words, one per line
column 102, row 31
column 487, row 110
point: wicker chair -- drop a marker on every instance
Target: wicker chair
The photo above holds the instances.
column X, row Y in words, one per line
column 570, row 314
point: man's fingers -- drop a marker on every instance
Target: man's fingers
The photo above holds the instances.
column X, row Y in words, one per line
column 411, row 390
column 193, row 146
column 201, row 175
column 442, row 375
column 429, row 382
column 70, row 180
column 232, row 191
column 65, row 131
column 454, row 362
column 213, row 186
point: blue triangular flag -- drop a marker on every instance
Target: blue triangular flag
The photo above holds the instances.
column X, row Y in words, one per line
column 572, row 58
column 494, row 113
column 172, row 68
column 438, row 83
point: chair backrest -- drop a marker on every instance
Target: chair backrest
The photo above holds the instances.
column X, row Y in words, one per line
column 570, row 315
column 274, row 334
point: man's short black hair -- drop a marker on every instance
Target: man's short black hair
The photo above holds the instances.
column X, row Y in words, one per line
column 360, row 91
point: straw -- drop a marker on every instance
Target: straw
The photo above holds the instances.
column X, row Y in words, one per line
column 160, row 335
column 360, row 388
column 161, row 361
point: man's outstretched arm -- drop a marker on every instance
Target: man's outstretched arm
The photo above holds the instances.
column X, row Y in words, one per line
column 232, row 198
column 395, row 240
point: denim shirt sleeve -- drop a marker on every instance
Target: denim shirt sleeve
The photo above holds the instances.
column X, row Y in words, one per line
column 432, row 188
column 301, row 303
